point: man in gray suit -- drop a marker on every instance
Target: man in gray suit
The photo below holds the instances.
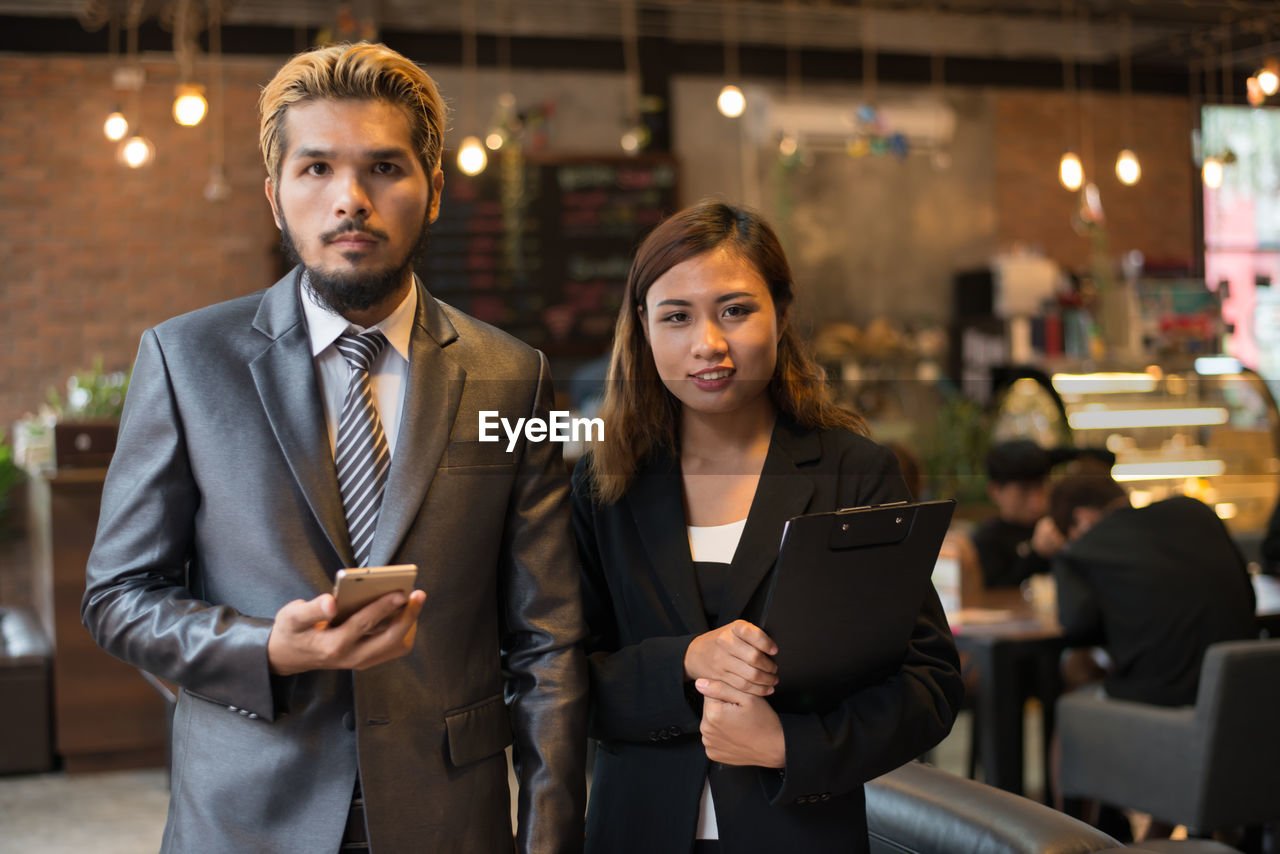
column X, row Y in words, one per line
column 225, row 518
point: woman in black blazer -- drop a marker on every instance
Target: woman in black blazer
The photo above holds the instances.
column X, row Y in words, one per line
column 717, row 430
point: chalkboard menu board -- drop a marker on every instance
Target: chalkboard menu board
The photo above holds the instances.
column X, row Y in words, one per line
column 540, row 247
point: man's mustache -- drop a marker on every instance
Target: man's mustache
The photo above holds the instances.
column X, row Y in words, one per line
column 353, row 226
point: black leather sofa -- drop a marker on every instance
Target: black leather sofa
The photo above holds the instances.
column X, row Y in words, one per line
column 919, row 809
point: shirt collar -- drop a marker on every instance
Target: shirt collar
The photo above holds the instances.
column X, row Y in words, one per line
column 324, row 325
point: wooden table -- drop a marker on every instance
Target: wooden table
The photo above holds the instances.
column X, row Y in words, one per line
column 1016, row 650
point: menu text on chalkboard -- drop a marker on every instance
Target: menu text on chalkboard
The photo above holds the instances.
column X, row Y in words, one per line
column 540, row 247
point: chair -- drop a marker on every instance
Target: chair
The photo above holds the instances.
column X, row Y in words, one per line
column 919, row 809
column 1211, row 766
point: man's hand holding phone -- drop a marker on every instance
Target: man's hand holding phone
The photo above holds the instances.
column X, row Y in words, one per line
column 305, row 637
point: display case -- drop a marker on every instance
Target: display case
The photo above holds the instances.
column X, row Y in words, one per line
column 1204, row 427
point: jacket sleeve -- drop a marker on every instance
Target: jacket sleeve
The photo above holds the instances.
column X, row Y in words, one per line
column 638, row 690
column 542, row 648
column 137, row 604
column 881, row 726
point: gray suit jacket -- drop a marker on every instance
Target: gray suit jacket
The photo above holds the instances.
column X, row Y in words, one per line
column 221, row 505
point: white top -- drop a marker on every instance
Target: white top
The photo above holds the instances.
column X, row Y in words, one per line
column 388, row 372
column 715, row 543
column 712, row 544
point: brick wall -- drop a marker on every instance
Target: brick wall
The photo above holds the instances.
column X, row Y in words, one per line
column 92, row 253
column 1154, row 216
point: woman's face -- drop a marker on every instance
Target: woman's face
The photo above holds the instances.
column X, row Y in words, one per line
column 714, row 332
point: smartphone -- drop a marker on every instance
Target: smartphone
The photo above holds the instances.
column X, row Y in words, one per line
column 356, row 587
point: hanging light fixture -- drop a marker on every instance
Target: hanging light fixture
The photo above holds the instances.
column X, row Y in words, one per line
column 189, row 104
column 1070, row 169
column 731, row 102
column 472, row 158
column 217, row 188
column 116, row 125
column 1211, row 172
column 136, row 151
column 635, row 135
column 505, row 123
column 1269, row 78
column 1128, row 169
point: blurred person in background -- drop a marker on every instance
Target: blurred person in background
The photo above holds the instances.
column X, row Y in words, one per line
column 1019, row 540
column 1154, row 586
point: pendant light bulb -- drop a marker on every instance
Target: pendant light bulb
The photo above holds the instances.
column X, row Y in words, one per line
column 1211, row 172
column 1268, row 81
column 136, row 151
column 189, row 105
column 116, row 126
column 471, row 156
column 1128, row 170
column 1070, row 171
column 731, row 102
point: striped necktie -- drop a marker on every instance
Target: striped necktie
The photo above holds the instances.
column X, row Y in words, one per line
column 361, row 452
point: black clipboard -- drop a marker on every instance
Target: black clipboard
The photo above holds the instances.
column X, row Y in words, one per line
column 845, row 595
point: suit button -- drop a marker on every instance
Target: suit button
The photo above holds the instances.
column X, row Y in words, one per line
column 349, row 721
column 232, row 709
column 653, row 735
column 675, row 731
column 825, row 796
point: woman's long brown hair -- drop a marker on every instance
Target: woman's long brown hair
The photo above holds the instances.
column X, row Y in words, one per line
column 640, row 415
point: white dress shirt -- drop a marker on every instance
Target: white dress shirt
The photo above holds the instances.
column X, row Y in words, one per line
column 389, row 370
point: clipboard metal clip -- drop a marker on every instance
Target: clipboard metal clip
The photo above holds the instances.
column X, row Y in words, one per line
column 863, row 527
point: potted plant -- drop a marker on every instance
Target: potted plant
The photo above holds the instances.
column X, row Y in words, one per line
column 10, row 477
column 89, row 418
column 955, row 450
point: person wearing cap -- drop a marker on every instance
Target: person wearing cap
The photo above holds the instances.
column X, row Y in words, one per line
column 1020, row 539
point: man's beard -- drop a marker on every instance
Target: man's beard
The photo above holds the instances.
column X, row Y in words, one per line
column 358, row 291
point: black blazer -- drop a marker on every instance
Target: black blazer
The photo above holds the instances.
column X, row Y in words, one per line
column 643, row 608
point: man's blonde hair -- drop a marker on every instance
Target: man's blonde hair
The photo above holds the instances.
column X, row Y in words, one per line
column 361, row 71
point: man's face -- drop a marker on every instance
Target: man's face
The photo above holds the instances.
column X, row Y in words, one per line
column 1019, row 502
column 353, row 202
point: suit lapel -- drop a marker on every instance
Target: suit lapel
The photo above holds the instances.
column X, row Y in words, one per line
column 784, row 491
column 285, row 377
column 433, row 392
column 657, row 505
